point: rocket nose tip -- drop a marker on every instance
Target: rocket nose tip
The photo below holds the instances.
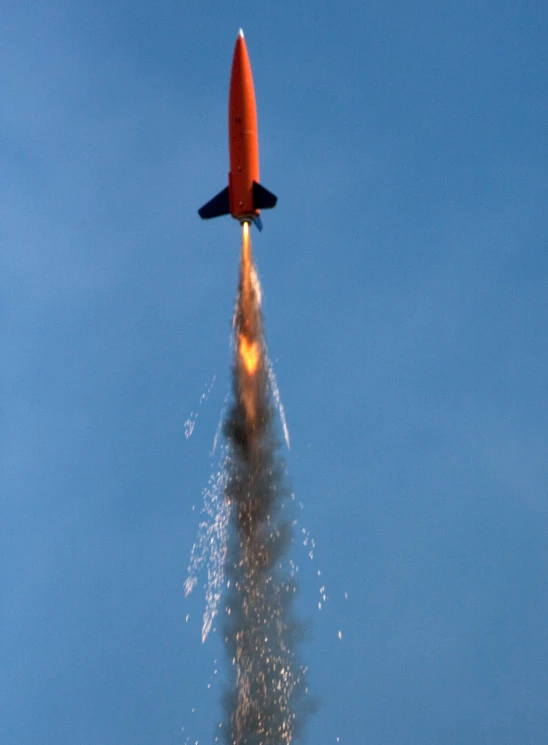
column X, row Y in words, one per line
column 241, row 33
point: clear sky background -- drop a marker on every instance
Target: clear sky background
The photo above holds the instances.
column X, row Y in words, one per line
column 405, row 278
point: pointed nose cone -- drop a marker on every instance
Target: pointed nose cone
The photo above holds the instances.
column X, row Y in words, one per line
column 242, row 93
column 240, row 52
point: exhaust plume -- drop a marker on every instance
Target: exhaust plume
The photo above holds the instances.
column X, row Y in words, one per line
column 265, row 702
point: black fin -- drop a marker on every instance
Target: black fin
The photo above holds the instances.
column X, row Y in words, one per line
column 219, row 205
column 258, row 222
column 262, row 198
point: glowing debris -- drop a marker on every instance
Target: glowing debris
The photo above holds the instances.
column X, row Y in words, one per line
column 209, row 549
column 191, row 421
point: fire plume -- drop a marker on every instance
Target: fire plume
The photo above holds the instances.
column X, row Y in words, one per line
column 248, row 334
column 249, row 353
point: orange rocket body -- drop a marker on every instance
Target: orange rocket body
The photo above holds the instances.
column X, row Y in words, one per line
column 243, row 138
column 244, row 197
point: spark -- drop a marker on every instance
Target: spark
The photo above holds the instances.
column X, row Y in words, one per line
column 209, row 549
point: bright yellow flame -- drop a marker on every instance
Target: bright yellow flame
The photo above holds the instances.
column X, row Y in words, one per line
column 249, row 352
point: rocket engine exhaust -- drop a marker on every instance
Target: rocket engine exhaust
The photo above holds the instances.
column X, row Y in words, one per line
column 265, row 703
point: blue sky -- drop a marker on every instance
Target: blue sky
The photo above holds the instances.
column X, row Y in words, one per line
column 405, row 280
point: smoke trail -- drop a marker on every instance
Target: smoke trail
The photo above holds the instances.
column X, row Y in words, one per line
column 265, row 703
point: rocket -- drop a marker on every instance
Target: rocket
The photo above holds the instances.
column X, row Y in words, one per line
column 244, row 196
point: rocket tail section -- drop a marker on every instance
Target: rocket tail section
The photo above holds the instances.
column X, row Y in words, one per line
column 220, row 204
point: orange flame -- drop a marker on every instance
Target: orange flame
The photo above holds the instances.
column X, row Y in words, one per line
column 247, row 323
column 249, row 353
